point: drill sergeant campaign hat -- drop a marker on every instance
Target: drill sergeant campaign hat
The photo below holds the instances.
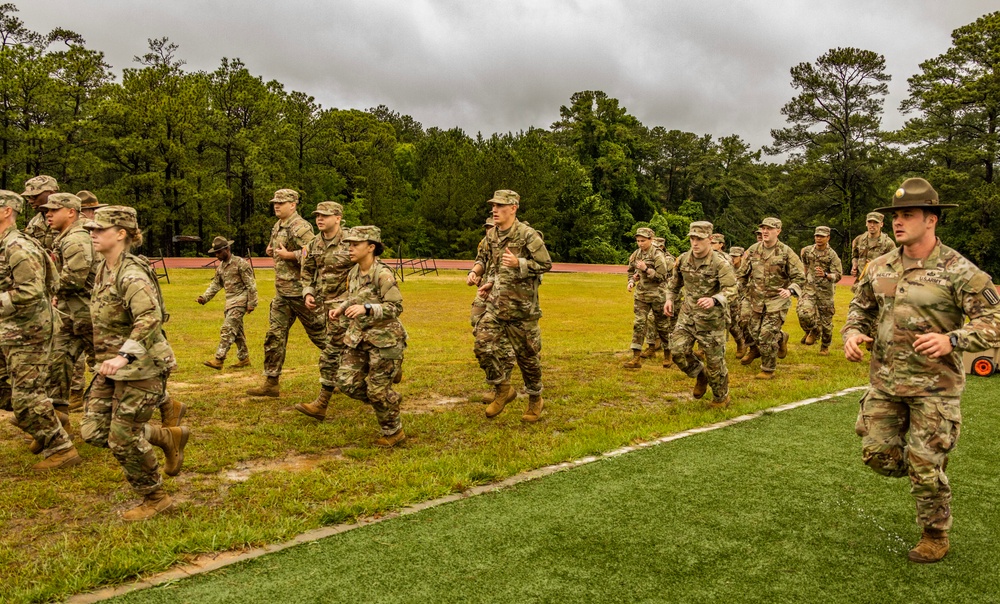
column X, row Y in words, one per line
column 770, row 222
column 736, row 251
column 219, row 244
column 10, row 199
column 369, row 233
column 329, row 208
column 113, row 216
column 505, row 197
column 823, row 231
column 915, row 193
column 62, row 200
column 645, row 232
column 285, row 196
column 39, row 184
column 875, row 217
column 701, row 229
column 88, row 201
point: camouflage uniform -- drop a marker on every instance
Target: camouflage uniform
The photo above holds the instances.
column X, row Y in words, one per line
column 763, row 273
column 652, row 337
column 37, row 227
column 910, row 418
column 374, row 342
column 236, row 277
column 648, row 294
column 128, row 318
column 815, row 308
column 512, row 310
column 710, row 277
column 735, row 326
column 324, row 275
column 26, row 327
column 294, row 233
column 479, row 302
column 864, row 250
column 77, row 263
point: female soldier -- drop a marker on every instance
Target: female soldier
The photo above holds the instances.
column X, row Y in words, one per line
column 373, row 355
column 134, row 358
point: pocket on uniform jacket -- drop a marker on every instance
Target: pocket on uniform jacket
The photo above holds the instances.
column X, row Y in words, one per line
column 860, row 425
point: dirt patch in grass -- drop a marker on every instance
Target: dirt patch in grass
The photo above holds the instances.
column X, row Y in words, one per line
column 292, row 463
column 433, row 404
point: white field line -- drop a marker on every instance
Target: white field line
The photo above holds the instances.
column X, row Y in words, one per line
column 212, row 562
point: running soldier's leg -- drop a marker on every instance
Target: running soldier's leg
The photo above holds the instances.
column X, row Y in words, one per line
column 493, row 349
column 681, row 341
column 280, row 320
column 313, row 321
column 329, row 359
column 134, row 403
column 526, row 339
column 351, row 374
column 232, row 328
column 96, row 423
column 770, row 337
column 382, row 367
column 826, row 311
column 808, row 314
column 640, row 312
column 935, row 424
column 28, row 375
column 882, row 425
column 714, row 345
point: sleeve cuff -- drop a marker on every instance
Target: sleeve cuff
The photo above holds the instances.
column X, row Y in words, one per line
column 523, row 264
column 133, row 348
column 720, row 298
column 6, row 305
column 376, row 311
column 308, row 291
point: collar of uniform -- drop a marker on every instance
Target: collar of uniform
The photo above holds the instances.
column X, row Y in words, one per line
column 287, row 221
column 8, row 231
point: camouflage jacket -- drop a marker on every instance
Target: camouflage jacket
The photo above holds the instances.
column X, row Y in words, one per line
column 514, row 295
column 381, row 327
column 649, row 284
column 236, row 277
column 26, row 316
column 829, row 261
column 695, row 278
column 864, row 250
column 483, row 260
column 899, row 304
column 127, row 317
column 765, row 271
column 77, row 264
column 294, row 233
column 325, row 266
column 38, row 228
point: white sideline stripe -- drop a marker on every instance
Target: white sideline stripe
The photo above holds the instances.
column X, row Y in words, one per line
column 226, row 558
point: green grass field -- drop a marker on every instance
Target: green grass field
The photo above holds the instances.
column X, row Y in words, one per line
column 779, row 509
column 257, row 472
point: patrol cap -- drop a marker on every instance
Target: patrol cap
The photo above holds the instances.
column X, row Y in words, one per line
column 822, row 231
column 770, row 222
column 701, row 229
column 736, row 251
column 645, row 232
column 659, row 243
column 875, row 217
column 10, row 199
column 219, row 244
column 718, row 238
column 915, row 193
column 329, row 208
column 62, row 200
column 113, row 216
column 285, row 196
column 505, row 197
column 369, row 233
column 40, row 184
column 489, row 221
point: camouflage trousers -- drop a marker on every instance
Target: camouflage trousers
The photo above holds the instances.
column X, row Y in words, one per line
column 816, row 316
column 644, row 312
column 115, row 416
column 24, row 375
column 478, row 308
column 284, row 311
column 736, row 327
column 70, row 346
column 766, row 334
column 912, row 436
column 713, row 342
column 743, row 320
column 365, row 374
column 496, row 337
column 329, row 358
column 232, row 333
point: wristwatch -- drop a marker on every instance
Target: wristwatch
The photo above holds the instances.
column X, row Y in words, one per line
column 368, row 309
column 128, row 357
column 953, row 340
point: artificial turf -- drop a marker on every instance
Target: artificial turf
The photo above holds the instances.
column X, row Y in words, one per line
column 779, row 509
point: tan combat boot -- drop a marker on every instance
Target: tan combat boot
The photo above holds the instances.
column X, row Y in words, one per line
column 172, row 441
column 75, row 400
column 317, row 408
column 534, row 411
column 215, row 363
column 765, row 375
column 67, row 458
column 650, row 351
column 933, row 546
column 635, row 362
column 152, row 504
column 504, row 395
column 268, row 388
column 171, row 413
column 36, row 447
column 752, row 353
column 668, row 359
column 824, row 350
column 741, row 350
column 239, row 364
column 387, row 442
column 810, row 338
column 489, row 396
column 719, row 404
column 783, row 346
column 700, row 385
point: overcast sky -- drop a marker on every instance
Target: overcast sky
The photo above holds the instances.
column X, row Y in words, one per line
column 715, row 66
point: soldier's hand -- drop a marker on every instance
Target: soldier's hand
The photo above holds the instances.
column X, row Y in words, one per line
column 784, row 293
column 509, row 259
column 310, row 302
column 484, row 289
column 472, row 278
column 852, row 347
column 284, row 254
column 706, row 303
column 334, row 313
column 270, row 250
column 631, row 284
column 933, row 345
column 668, row 308
column 641, row 265
column 112, row 365
column 820, row 272
column 854, row 271
column 354, row 311
column 250, row 309
column 202, row 300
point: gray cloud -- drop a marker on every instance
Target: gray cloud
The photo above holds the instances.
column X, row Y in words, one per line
column 717, row 66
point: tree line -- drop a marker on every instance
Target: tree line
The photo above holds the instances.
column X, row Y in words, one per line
column 199, row 153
